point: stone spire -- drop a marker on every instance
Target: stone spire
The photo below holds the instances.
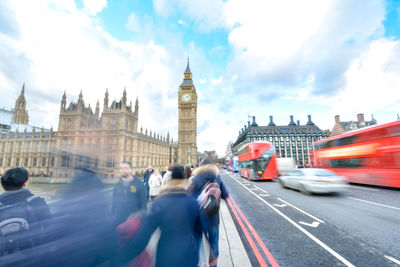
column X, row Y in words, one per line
column 124, row 99
column 137, row 106
column 188, row 73
column 20, row 115
column 81, row 104
column 97, row 112
column 105, row 107
column 64, row 101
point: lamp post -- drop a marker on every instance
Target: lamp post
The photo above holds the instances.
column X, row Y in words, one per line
column 189, row 155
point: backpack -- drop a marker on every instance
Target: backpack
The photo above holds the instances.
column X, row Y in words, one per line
column 210, row 198
column 14, row 227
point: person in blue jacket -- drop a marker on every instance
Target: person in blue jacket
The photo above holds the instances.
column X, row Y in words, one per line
column 206, row 173
column 177, row 215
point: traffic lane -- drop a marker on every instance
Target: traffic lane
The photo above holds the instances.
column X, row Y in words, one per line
column 288, row 232
column 380, row 195
column 372, row 225
column 288, row 246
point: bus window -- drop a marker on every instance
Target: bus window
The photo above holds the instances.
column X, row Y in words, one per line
column 346, row 163
column 393, row 131
column 346, row 140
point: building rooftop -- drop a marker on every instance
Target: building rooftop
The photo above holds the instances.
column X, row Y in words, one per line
column 293, row 128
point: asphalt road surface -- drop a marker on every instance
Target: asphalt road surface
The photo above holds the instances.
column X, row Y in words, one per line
column 283, row 227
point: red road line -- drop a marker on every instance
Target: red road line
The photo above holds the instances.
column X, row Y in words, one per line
column 253, row 246
column 256, row 236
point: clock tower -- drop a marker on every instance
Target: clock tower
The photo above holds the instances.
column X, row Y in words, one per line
column 187, row 120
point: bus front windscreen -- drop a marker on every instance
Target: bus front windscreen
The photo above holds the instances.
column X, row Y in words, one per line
column 260, row 164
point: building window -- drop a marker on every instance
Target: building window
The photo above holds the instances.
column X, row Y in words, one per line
column 26, row 162
column 113, row 123
column 65, row 161
column 34, row 162
column 96, row 162
column 11, row 148
column 8, row 162
column 52, row 162
column 69, row 124
column 1, row 162
column 3, row 147
column 43, row 162
column 17, row 162
column 19, row 146
column 28, row 147
column 45, row 147
column 36, row 147
column 110, row 163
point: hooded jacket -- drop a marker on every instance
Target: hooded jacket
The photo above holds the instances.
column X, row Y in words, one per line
column 203, row 175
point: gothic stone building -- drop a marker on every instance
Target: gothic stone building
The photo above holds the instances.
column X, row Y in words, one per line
column 290, row 141
column 99, row 140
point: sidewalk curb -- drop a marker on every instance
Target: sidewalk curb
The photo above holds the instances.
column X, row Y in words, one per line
column 232, row 251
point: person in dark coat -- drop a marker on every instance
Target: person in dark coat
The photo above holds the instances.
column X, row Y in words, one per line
column 208, row 172
column 129, row 195
column 178, row 217
column 36, row 211
column 14, row 182
column 81, row 228
column 146, row 178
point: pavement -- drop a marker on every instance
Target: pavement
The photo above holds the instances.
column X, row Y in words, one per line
column 231, row 249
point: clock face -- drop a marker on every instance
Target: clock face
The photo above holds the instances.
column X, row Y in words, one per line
column 186, row 97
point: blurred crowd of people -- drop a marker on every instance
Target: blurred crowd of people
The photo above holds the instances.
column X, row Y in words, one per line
column 176, row 210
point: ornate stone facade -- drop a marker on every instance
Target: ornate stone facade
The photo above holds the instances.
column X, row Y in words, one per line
column 99, row 141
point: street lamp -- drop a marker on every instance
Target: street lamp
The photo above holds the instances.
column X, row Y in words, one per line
column 189, row 154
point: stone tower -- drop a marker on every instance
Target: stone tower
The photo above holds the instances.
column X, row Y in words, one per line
column 187, row 120
column 20, row 115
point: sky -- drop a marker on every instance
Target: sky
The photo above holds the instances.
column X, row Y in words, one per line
column 248, row 57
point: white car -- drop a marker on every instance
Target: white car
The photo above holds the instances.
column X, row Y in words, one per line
column 313, row 181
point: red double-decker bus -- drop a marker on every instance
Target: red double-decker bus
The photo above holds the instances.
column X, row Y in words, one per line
column 257, row 161
column 369, row 155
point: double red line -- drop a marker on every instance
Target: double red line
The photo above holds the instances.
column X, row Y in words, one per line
column 235, row 209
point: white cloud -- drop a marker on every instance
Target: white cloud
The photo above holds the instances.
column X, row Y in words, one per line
column 286, row 41
column 217, row 81
column 208, row 14
column 181, row 22
column 94, row 6
column 373, row 81
column 133, row 22
column 74, row 53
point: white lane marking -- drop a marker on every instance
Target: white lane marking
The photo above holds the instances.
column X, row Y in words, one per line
column 264, row 195
column 374, row 203
column 314, row 224
column 280, row 206
column 316, row 240
column 293, row 206
column 364, row 188
column 254, row 189
column 302, row 211
column 392, row 259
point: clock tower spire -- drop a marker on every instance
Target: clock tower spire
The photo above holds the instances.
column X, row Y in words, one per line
column 187, row 120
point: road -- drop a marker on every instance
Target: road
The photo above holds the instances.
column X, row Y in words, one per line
column 284, row 227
